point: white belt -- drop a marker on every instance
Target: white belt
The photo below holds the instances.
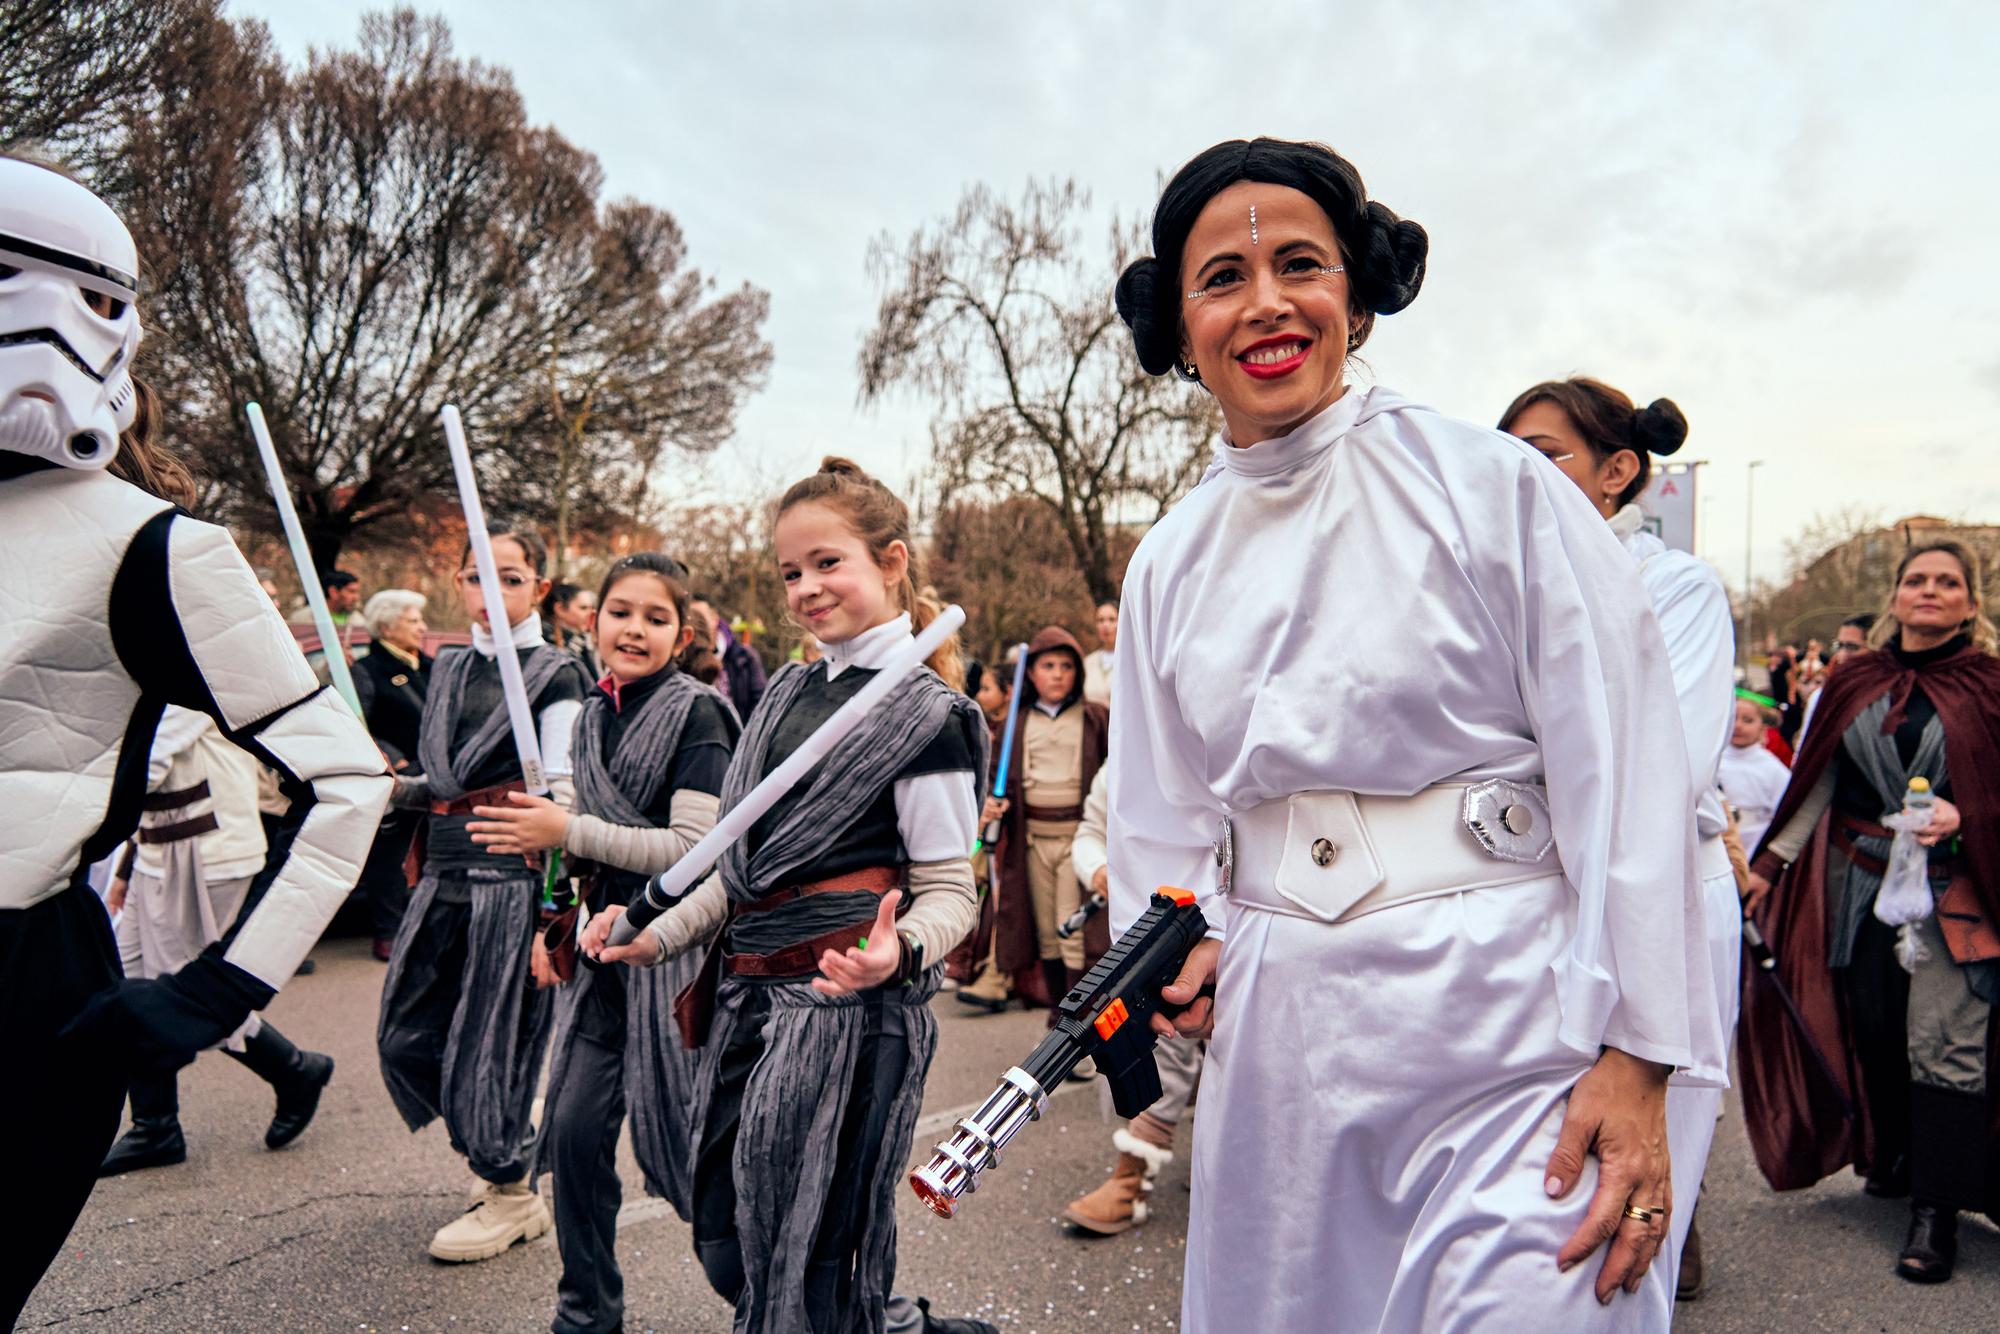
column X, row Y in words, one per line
column 1335, row 856
column 1712, row 859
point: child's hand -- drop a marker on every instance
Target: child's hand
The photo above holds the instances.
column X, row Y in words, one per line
column 643, row 950
column 541, row 967
column 528, row 826
column 860, row 969
column 993, row 809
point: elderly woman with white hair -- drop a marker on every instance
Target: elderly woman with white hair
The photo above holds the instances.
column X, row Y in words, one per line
column 390, row 681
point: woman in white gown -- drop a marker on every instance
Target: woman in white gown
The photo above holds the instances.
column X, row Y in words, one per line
column 1449, row 875
column 1604, row 443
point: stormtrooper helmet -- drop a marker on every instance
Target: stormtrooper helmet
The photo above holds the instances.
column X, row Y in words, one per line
column 69, row 326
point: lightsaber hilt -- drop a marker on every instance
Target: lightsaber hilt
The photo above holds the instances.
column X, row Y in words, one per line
column 1076, row 921
column 735, row 822
column 975, row 1143
column 1760, row 949
column 332, row 647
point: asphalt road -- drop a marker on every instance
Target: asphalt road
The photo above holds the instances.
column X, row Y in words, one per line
column 329, row 1234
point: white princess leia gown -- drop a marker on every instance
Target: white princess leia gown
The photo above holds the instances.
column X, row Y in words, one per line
column 1380, row 601
column 1692, row 607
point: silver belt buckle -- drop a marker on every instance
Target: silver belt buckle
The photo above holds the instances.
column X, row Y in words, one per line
column 1510, row 820
column 1225, row 855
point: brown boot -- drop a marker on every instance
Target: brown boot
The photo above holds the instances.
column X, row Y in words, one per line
column 1692, row 1278
column 1120, row 1203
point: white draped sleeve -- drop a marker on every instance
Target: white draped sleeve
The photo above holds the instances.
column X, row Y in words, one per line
column 1592, row 667
column 1693, row 611
column 1163, row 817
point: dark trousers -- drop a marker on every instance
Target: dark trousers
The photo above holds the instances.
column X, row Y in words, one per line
column 1943, row 1132
column 879, row 1074
column 382, row 877
column 61, row 1110
column 580, row 1148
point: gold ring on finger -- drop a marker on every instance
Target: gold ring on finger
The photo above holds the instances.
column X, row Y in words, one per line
column 1644, row 1213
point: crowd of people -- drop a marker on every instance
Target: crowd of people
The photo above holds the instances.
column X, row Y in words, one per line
column 1476, row 871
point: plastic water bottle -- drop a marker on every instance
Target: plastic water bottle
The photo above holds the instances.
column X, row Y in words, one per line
column 1919, row 801
column 1905, row 897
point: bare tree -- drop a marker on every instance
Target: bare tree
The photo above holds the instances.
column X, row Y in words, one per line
column 1009, row 564
column 662, row 363
column 73, row 71
column 995, row 316
column 358, row 242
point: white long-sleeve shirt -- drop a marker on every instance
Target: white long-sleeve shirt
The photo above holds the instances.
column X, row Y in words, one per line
column 1754, row 780
column 1386, row 599
column 1692, row 607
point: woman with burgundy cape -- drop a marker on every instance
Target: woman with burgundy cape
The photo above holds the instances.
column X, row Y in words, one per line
column 1907, row 1051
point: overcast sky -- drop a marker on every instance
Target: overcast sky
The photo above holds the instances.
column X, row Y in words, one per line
column 1783, row 216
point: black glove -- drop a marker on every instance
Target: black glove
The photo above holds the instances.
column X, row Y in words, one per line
column 158, row 1024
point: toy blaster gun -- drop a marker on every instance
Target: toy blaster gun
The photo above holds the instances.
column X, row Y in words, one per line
column 1103, row 1017
column 1076, row 921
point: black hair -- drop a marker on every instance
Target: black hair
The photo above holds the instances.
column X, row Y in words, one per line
column 1864, row 622
column 656, row 563
column 338, row 579
column 531, row 544
column 1384, row 253
column 975, row 676
column 1608, row 421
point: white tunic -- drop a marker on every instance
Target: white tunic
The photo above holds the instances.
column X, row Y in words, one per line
column 1380, row 601
column 1754, row 781
column 1692, row 607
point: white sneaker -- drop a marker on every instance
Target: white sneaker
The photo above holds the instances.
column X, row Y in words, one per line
column 499, row 1217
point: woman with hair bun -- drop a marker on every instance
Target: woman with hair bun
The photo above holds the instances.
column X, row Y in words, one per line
column 1449, row 873
column 1604, row 443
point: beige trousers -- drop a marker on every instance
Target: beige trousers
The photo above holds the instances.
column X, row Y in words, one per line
column 1053, row 885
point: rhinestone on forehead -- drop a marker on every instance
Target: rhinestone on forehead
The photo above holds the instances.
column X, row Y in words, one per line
column 1253, row 224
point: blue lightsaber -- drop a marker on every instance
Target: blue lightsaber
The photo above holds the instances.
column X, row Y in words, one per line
column 990, row 835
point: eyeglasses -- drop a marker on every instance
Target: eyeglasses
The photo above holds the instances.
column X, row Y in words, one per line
column 470, row 579
column 1228, row 285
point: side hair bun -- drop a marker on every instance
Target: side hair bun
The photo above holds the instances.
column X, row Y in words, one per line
column 1137, row 297
column 1659, row 428
column 1391, row 271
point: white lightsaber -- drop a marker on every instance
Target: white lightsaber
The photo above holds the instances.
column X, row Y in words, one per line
column 526, row 744
column 330, row 642
column 736, row 821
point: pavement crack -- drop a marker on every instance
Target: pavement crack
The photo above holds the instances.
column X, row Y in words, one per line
column 147, row 1294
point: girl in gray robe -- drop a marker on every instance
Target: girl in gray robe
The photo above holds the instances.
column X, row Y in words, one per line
column 651, row 749
column 814, row 1052
column 463, row 1026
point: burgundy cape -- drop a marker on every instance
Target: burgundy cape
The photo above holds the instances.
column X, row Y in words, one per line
column 1798, row 1130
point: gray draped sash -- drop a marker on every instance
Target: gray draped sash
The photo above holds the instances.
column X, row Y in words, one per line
column 449, row 772
column 621, row 786
column 1852, row 896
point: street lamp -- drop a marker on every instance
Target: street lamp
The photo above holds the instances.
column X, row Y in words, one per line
column 1749, row 547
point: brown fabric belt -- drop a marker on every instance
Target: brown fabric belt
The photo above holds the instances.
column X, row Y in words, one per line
column 169, row 801
column 180, row 830
column 1846, row 828
column 802, row 959
column 877, row 880
column 485, row 796
column 1054, row 814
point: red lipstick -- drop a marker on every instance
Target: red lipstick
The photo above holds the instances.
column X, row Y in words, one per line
column 1276, row 369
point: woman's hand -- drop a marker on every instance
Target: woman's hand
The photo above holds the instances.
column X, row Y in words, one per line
column 1618, row 1111
column 1198, row 1019
column 643, row 950
column 525, row 828
column 541, row 967
column 1754, row 891
column 858, row 969
column 1944, row 823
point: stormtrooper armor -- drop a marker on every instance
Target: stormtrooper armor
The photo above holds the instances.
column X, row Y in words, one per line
column 115, row 604
column 69, row 319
